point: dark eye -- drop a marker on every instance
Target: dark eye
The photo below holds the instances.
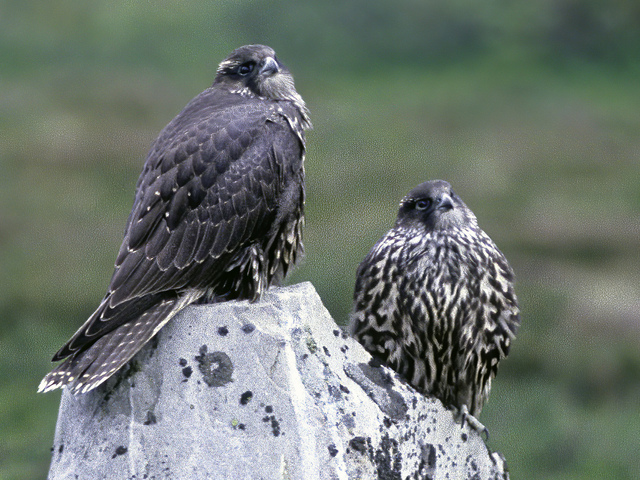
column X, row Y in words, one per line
column 245, row 69
column 423, row 204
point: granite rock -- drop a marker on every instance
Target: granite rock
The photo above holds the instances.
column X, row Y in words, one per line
column 266, row 390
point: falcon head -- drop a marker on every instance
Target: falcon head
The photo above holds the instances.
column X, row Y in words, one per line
column 434, row 206
column 255, row 71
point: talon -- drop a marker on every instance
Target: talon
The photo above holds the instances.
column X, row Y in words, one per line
column 473, row 422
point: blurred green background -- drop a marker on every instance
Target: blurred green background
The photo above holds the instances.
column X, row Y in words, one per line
column 530, row 109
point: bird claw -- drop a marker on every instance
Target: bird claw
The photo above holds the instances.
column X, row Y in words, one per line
column 473, row 422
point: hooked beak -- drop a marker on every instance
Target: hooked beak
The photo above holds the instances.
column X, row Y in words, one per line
column 269, row 66
column 445, row 202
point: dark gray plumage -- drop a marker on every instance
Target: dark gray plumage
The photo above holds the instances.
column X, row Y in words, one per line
column 217, row 215
column 434, row 300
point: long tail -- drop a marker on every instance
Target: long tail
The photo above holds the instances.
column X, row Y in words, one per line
column 87, row 369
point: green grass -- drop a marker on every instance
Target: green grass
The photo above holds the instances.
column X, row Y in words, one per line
column 554, row 187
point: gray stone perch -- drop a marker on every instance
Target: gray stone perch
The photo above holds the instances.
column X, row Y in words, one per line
column 270, row 390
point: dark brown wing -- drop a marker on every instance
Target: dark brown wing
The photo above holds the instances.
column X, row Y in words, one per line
column 211, row 187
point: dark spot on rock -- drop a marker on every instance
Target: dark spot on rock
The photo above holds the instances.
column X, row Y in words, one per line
column 378, row 375
column 151, row 418
column 388, row 460
column 374, row 363
column 464, row 437
column 334, row 392
column 222, row 331
column 216, row 367
column 333, row 451
column 359, row 444
column 242, row 426
column 248, row 328
column 326, row 351
column 387, row 422
column 427, row 465
column 344, row 389
column 187, row 371
column 275, row 424
column 268, row 409
column 348, row 421
column 378, row 385
column 275, row 427
column 304, row 356
column 344, row 349
column 61, row 448
column 246, row 397
column 121, row 450
column 337, row 334
column 183, row 362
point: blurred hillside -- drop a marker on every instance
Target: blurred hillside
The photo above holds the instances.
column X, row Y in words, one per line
column 530, row 110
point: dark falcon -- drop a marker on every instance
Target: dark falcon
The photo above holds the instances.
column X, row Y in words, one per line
column 217, row 214
column 434, row 300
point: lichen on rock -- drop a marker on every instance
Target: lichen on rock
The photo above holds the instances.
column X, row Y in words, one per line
column 262, row 390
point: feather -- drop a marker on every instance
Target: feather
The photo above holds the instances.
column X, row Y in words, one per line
column 207, row 212
column 434, row 300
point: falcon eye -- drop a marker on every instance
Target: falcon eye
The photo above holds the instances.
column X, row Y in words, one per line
column 423, row 204
column 246, row 68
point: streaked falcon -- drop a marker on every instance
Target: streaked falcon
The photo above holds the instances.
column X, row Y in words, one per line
column 434, row 300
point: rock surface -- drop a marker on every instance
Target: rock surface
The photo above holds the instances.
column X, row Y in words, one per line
column 270, row 390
